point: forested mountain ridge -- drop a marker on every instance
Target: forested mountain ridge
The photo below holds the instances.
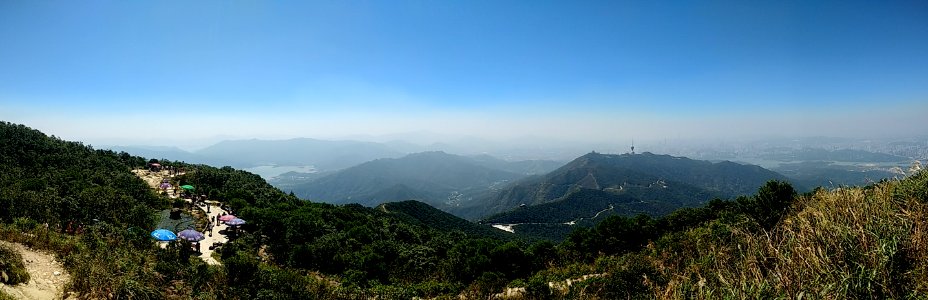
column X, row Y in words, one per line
column 49, row 180
column 440, row 179
column 432, row 217
column 677, row 181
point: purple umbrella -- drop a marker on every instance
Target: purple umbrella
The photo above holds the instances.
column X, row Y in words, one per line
column 165, row 185
column 235, row 222
column 191, row 235
column 226, row 218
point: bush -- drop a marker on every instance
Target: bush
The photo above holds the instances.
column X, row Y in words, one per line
column 770, row 203
column 5, row 296
column 12, row 268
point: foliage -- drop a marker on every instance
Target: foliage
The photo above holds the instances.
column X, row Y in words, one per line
column 388, row 249
column 769, row 204
column 64, row 184
column 868, row 242
column 5, row 296
column 12, row 268
column 424, row 214
column 847, row 243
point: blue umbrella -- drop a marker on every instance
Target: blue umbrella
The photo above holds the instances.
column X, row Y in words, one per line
column 235, row 222
column 163, row 235
column 191, row 235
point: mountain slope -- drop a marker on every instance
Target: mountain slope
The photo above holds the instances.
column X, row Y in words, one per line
column 676, row 181
column 422, row 213
column 59, row 182
column 437, row 178
column 527, row 167
column 324, row 155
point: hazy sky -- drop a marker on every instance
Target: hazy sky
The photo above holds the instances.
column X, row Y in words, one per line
column 149, row 71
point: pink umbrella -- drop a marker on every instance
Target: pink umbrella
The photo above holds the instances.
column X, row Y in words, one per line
column 226, row 218
column 235, row 222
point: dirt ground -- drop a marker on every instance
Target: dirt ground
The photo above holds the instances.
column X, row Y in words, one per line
column 47, row 275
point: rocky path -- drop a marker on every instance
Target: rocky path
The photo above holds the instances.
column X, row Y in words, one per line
column 47, row 276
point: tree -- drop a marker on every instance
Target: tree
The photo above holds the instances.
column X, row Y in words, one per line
column 770, row 203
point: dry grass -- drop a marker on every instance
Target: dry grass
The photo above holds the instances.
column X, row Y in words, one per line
column 845, row 243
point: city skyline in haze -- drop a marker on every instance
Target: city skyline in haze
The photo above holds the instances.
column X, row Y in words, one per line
column 185, row 73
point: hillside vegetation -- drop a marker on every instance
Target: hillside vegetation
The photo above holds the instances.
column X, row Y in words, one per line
column 846, row 243
column 659, row 184
column 421, row 213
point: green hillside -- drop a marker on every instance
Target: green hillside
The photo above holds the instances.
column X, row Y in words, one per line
column 290, row 248
column 427, row 215
column 847, row 243
column 440, row 179
column 48, row 180
column 664, row 181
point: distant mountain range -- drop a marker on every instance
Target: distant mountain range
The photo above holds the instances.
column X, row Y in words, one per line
column 839, row 155
column 322, row 154
column 325, row 155
column 438, row 178
column 631, row 183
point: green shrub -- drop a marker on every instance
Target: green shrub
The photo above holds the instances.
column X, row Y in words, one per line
column 12, row 268
column 770, row 203
column 5, row 296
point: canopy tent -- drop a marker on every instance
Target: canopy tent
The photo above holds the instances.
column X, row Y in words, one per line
column 187, row 187
column 163, row 235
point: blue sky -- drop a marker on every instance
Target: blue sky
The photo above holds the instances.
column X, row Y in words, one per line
column 585, row 70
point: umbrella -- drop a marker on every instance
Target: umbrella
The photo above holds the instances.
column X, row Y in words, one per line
column 165, row 185
column 187, row 187
column 226, row 218
column 191, row 235
column 235, row 222
column 163, row 235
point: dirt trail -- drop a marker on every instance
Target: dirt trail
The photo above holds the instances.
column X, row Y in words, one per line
column 47, row 276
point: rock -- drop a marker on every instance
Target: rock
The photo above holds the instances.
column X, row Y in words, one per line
column 57, row 273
